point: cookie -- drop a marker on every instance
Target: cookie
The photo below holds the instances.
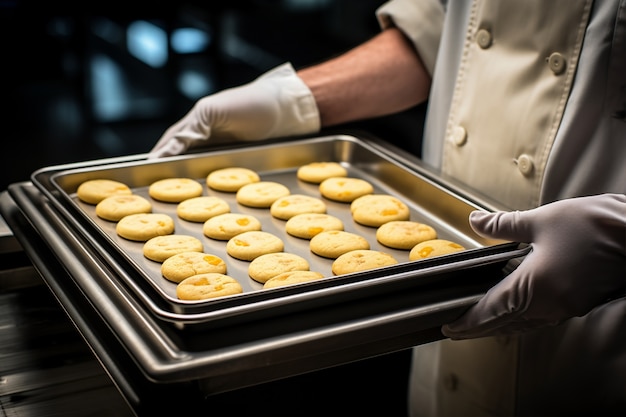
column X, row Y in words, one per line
column 307, row 225
column 227, row 225
column 115, row 207
column 207, row 286
column 377, row 209
column 435, row 247
column 144, row 226
column 269, row 265
column 185, row 264
column 335, row 243
column 316, row 172
column 160, row 248
column 345, row 190
column 404, row 234
column 94, row 191
column 231, row 179
column 361, row 260
column 261, row 194
column 200, row 209
column 175, row 190
column 250, row 245
column 286, row 207
column 292, row 277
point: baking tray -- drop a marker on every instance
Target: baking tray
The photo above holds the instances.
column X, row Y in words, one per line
column 429, row 202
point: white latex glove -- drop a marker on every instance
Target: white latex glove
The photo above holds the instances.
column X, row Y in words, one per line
column 577, row 262
column 276, row 104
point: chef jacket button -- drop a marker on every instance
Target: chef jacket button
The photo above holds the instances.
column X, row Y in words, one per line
column 556, row 62
column 483, row 38
column 459, row 135
column 450, row 382
column 525, row 164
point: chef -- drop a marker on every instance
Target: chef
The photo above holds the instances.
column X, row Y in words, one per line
column 526, row 104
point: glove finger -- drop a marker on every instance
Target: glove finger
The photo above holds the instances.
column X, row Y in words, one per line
column 503, row 304
column 169, row 148
column 511, row 226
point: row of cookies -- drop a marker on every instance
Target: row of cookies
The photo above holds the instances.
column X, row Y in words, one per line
column 182, row 255
column 388, row 214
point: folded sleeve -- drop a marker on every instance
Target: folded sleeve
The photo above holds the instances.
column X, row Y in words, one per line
column 420, row 20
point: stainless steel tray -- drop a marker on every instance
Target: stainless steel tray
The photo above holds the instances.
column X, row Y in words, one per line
column 429, row 201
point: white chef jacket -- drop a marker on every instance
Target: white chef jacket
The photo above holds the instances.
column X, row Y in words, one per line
column 528, row 106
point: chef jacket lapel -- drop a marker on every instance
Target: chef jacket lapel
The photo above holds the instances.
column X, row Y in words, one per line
column 518, row 65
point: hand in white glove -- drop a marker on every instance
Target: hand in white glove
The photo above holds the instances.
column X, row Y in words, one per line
column 276, row 104
column 577, row 262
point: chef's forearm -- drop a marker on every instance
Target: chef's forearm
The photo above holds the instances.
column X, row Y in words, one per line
column 382, row 76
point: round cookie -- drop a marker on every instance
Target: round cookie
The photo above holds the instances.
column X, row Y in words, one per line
column 261, row 194
column 227, row 225
column 286, row 207
column 115, row 207
column 200, row 209
column 404, row 234
column 377, row 209
column 247, row 246
column 231, row 179
column 345, row 190
column 144, row 226
column 94, row 191
column 160, row 248
column 307, row 225
column 435, row 247
column 175, row 190
column 185, row 264
column 334, row 243
column 269, row 265
column 361, row 260
column 206, row 286
column 316, row 172
column 292, row 277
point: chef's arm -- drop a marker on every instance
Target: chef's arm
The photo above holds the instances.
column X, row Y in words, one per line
column 382, row 76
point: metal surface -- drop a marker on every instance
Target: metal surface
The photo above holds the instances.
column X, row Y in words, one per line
column 429, row 203
column 285, row 333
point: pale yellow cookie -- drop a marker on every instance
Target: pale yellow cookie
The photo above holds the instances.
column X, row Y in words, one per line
column 316, row 172
column 307, row 225
column 261, row 194
column 185, row 264
column 334, row 243
column 115, row 207
column 404, row 234
column 160, row 248
column 292, row 277
column 207, row 286
column 286, row 207
column 94, row 191
column 345, row 190
column 249, row 245
column 377, row 209
column 227, row 225
column 231, row 179
column 435, row 247
column 361, row 260
column 175, row 190
column 144, row 226
column 269, row 265
column 200, row 209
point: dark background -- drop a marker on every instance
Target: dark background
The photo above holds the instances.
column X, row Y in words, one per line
column 72, row 90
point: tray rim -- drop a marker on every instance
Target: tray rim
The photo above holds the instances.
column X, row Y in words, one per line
column 43, row 180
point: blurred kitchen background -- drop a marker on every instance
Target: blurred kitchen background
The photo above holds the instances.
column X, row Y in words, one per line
column 103, row 79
